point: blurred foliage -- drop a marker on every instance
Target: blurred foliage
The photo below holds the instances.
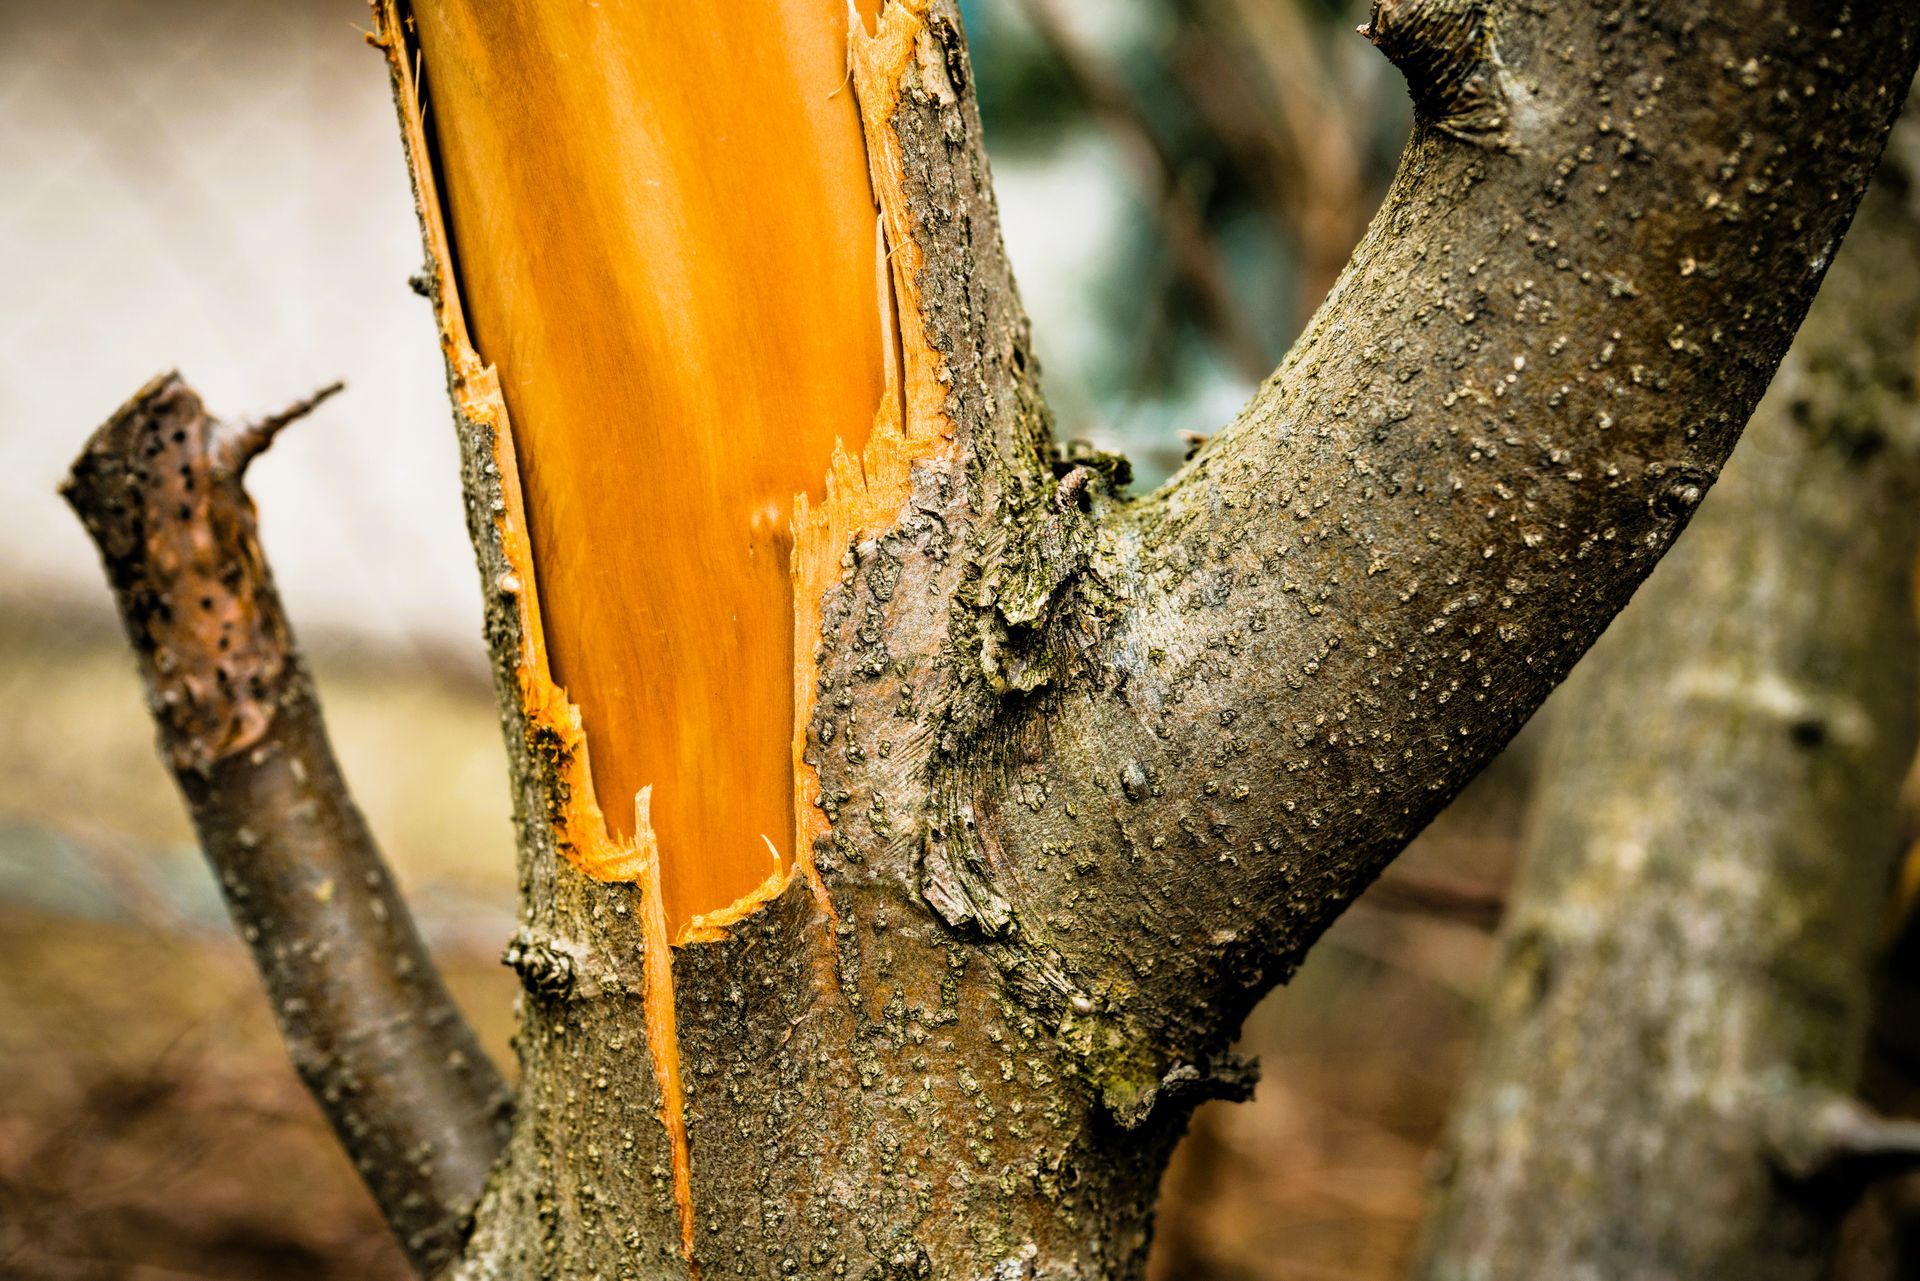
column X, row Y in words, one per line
column 1277, row 124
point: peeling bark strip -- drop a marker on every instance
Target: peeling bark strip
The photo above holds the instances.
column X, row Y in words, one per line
column 1680, row 1013
column 1093, row 774
column 863, row 492
column 376, row 1037
column 719, row 333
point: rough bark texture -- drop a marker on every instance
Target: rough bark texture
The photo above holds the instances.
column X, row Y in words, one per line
column 1881, row 1241
column 1681, row 1007
column 416, row 1102
column 1099, row 771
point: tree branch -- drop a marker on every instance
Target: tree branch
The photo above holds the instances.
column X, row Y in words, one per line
column 1303, row 153
column 1438, row 898
column 1681, row 1008
column 372, row 1030
column 1598, row 247
column 1833, row 1141
column 1093, row 774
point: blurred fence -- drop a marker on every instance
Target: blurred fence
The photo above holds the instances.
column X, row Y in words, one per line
column 217, row 185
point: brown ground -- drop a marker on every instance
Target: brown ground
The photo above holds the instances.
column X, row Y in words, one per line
column 151, row 1129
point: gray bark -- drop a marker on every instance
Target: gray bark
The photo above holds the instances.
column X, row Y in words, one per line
column 1679, row 1017
column 1099, row 771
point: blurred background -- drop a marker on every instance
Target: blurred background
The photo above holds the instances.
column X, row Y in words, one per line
column 217, row 185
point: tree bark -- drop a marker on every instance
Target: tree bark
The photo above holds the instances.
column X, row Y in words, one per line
column 413, row 1098
column 1094, row 773
column 1679, row 1018
column 1091, row 773
column 1881, row 1242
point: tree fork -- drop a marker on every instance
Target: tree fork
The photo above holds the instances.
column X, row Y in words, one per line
column 1502, row 416
column 414, row 1099
column 1091, row 774
column 1075, row 778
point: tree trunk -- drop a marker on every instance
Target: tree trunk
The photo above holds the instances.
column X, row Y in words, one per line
column 1095, row 774
column 1680, row 1013
column 1074, row 777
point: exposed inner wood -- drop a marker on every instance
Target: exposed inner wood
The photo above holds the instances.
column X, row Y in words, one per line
column 663, row 1037
column 666, row 243
column 860, row 491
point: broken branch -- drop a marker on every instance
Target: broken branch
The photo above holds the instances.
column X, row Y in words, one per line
column 418, row 1105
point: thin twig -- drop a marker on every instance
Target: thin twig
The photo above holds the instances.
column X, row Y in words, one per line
column 239, row 444
column 1310, row 135
column 1462, row 902
column 1819, row 1136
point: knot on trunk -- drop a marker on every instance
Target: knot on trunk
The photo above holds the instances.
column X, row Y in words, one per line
column 956, row 878
column 545, row 970
column 1180, row 1089
column 1446, row 51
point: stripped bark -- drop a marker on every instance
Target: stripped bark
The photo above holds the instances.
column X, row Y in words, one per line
column 376, row 1037
column 1096, row 773
column 1679, row 1018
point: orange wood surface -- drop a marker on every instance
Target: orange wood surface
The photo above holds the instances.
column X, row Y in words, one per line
column 665, row 240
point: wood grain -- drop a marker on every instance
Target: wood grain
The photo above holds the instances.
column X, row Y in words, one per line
column 665, row 239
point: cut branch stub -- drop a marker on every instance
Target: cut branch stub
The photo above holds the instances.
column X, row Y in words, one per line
column 414, row 1099
column 1446, row 50
column 158, row 489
